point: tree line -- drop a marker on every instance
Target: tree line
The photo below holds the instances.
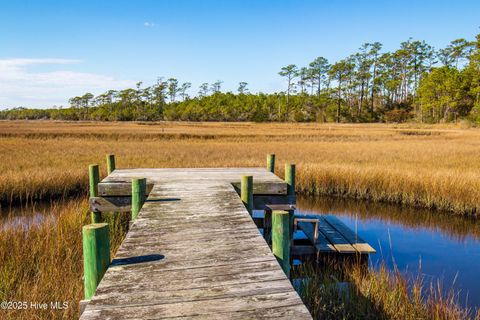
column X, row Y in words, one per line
column 413, row 83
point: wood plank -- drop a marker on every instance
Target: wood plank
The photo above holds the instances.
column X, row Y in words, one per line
column 243, row 304
column 282, row 312
column 261, row 201
column 110, row 204
column 266, row 188
column 121, row 296
column 119, row 188
column 138, row 270
column 124, row 188
column 355, row 240
column 334, row 237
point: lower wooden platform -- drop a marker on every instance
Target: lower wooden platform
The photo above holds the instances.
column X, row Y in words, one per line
column 325, row 233
column 334, row 236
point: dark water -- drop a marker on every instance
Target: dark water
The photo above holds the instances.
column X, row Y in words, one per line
column 439, row 247
column 28, row 215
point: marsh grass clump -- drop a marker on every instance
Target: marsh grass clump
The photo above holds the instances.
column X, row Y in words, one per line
column 352, row 291
column 43, row 262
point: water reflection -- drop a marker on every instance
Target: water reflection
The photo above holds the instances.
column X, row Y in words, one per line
column 439, row 246
column 30, row 215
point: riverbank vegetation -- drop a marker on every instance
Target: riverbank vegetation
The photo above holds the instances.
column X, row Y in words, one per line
column 423, row 166
column 41, row 261
column 350, row 291
column 416, row 82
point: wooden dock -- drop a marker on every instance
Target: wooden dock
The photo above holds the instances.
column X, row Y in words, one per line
column 333, row 236
column 193, row 251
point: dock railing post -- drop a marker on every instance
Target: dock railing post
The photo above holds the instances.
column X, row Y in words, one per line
column 281, row 238
column 271, row 162
column 96, row 256
column 94, row 179
column 139, row 186
column 290, row 178
column 246, row 192
column 110, row 163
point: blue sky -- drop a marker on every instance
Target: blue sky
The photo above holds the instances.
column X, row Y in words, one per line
column 53, row 50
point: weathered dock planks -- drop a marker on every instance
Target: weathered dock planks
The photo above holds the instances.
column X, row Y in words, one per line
column 194, row 251
column 334, row 236
column 352, row 237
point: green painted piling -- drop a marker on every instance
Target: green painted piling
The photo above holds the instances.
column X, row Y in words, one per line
column 246, row 192
column 94, row 179
column 139, row 186
column 96, row 256
column 290, row 178
column 110, row 163
column 281, row 239
column 271, row 162
column 94, row 176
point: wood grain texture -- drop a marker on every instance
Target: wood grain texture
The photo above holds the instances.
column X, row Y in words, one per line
column 334, row 236
column 195, row 252
column 107, row 204
column 355, row 240
column 119, row 183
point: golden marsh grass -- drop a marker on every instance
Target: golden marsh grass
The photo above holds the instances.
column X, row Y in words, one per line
column 42, row 262
column 374, row 295
column 425, row 166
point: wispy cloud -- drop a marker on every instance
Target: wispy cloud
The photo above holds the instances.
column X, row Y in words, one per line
column 20, row 86
column 149, row 24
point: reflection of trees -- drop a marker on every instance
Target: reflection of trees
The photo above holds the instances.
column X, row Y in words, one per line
column 453, row 226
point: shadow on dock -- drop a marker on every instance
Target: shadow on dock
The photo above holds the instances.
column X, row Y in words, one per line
column 137, row 259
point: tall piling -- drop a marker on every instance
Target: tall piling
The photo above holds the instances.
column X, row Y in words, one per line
column 281, row 238
column 96, row 256
column 110, row 163
column 139, row 186
column 94, row 179
column 271, row 162
column 290, row 178
column 246, row 192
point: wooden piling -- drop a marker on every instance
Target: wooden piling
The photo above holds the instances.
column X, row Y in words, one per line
column 271, row 162
column 290, row 178
column 246, row 192
column 96, row 255
column 139, row 186
column 94, row 179
column 110, row 163
column 281, row 238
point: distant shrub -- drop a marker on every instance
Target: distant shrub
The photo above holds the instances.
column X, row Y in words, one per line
column 397, row 115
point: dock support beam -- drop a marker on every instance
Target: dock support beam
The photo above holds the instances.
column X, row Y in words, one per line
column 281, row 238
column 110, row 163
column 290, row 178
column 139, row 186
column 271, row 162
column 94, row 179
column 246, row 192
column 96, row 256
